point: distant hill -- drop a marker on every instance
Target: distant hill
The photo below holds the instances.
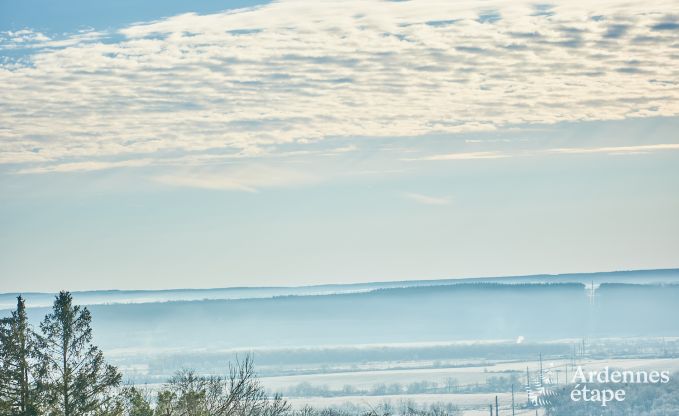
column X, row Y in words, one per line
column 461, row 311
column 8, row 300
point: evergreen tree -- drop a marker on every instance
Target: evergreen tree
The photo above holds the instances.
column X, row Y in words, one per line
column 17, row 353
column 137, row 403
column 75, row 379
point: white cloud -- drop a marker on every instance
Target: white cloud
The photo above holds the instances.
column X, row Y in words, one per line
column 249, row 178
column 86, row 166
column 30, row 39
column 464, row 156
column 303, row 71
column 618, row 149
column 427, row 199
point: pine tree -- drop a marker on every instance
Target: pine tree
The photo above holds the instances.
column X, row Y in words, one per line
column 75, row 379
column 17, row 354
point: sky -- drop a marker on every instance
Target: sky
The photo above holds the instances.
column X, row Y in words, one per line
column 213, row 144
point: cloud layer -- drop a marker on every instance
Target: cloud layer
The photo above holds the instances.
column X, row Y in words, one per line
column 244, row 83
column 427, row 199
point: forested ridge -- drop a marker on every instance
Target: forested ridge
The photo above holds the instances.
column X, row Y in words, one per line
column 481, row 311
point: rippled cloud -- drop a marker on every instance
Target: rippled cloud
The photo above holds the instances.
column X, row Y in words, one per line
column 246, row 83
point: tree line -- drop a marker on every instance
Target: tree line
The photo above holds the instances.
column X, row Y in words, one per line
column 493, row 384
column 58, row 371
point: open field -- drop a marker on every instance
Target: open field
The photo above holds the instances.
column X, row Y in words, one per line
column 462, row 375
column 354, row 390
column 472, row 404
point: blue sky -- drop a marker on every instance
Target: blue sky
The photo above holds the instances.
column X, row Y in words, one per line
column 74, row 15
column 298, row 142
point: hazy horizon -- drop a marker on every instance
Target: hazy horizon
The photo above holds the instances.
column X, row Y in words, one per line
column 312, row 284
column 335, row 283
column 41, row 299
